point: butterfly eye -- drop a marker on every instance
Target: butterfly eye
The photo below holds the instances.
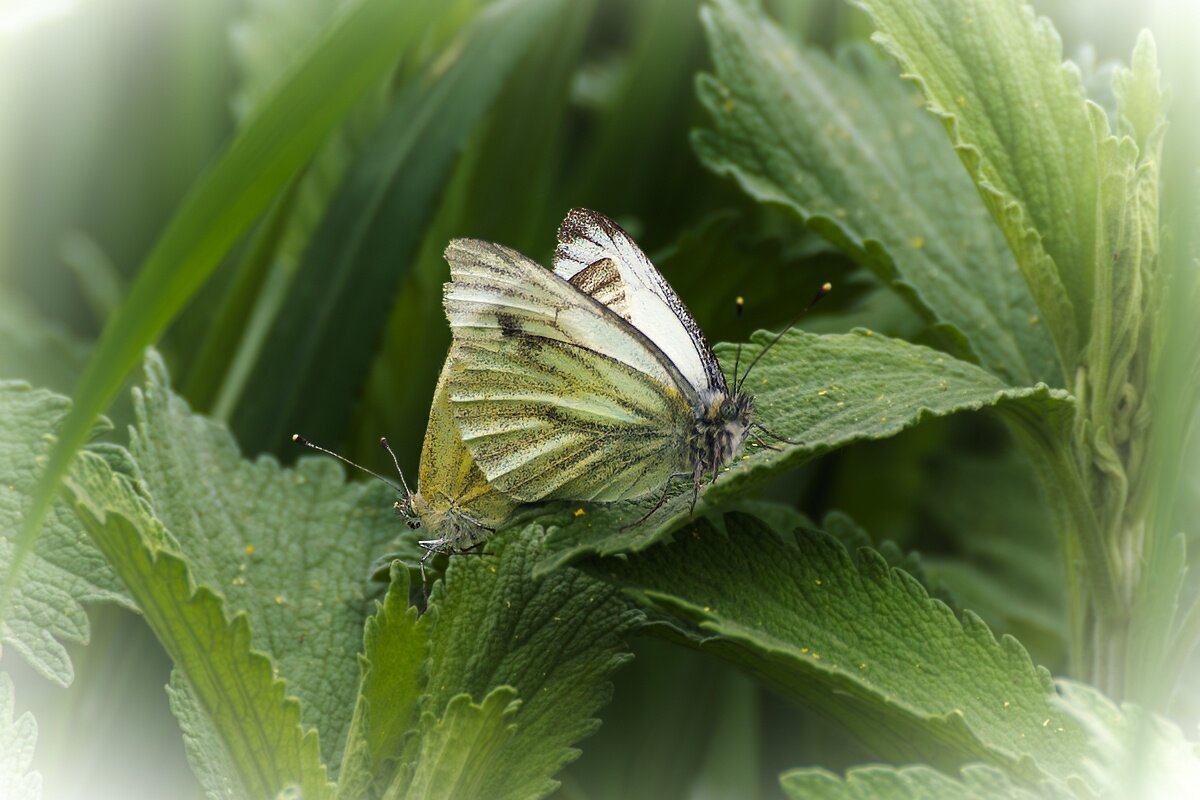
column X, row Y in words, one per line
column 414, row 524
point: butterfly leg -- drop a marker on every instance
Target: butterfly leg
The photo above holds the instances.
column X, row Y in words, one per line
column 696, row 489
column 759, row 426
column 661, row 500
column 763, row 443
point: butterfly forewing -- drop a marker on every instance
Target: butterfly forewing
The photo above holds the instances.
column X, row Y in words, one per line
column 586, row 237
column 554, row 394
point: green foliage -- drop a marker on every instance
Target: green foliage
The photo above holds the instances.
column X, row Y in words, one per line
column 859, row 640
column 259, row 162
column 1034, row 160
column 65, row 570
column 358, row 256
column 273, row 551
column 849, row 151
column 17, row 740
column 248, row 717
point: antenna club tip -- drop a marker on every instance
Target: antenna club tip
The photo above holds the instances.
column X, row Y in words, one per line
column 297, row 438
column 741, row 301
column 826, row 287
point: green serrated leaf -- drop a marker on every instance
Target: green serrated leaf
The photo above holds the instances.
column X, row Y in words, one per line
column 555, row 640
column 17, row 740
column 914, row 783
column 283, row 134
column 827, row 391
column 291, row 548
column 861, row 642
column 1017, row 116
column 207, row 751
column 310, row 369
column 462, row 752
column 246, row 705
column 394, row 660
column 65, row 570
column 844, row 145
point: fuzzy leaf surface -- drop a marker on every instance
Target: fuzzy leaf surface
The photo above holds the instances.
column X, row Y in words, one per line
column 395, row 652
column 463, row 753
column 17, row 739
column 827, row 392
column 554, row 640
column 256, row 724
column 914, row 783
column 860, row 641
column 65, row 570
column 845, row 145
column 292, row 548
column 1018, row 119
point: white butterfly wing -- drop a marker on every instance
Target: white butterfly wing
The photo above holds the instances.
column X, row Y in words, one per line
column 555, row 395
column 586, row 237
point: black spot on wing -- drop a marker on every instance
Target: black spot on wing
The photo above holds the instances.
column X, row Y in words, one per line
column 509, row 324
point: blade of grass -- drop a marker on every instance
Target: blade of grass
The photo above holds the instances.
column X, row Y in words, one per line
column 357, row 50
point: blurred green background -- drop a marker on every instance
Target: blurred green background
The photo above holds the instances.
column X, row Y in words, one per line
column 326, row 317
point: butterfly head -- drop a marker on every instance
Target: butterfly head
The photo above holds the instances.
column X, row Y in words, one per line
column 406, row 509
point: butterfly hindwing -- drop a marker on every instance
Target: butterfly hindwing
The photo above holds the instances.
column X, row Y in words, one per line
column 555, row 395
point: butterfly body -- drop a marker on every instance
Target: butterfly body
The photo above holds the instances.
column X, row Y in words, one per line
column 720, row 432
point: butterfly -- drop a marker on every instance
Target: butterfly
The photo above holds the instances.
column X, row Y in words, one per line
column 591, row 382
column 453, row 503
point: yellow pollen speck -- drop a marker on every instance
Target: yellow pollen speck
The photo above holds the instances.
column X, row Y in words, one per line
column 280, row 600
column 822, row 393
column 1006, row 704
column 707, row 609
column 962, row 101
column 1034, row 320
column 249, row 549
column 803, row 649
column 745, row 458
column 1046, row 723
column 764, row 382
column 579, row 512
column 918, row 242
column 862, row 666
column 817, row 656
column 817, row 581
column 839, row 212
column 868, row 332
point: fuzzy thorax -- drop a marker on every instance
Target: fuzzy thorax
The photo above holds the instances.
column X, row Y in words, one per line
column 721, row 429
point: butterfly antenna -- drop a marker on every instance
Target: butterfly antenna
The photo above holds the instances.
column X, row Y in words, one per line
column 825, row 289
column 384, row 442
column 741, row 304
column 301, row 440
